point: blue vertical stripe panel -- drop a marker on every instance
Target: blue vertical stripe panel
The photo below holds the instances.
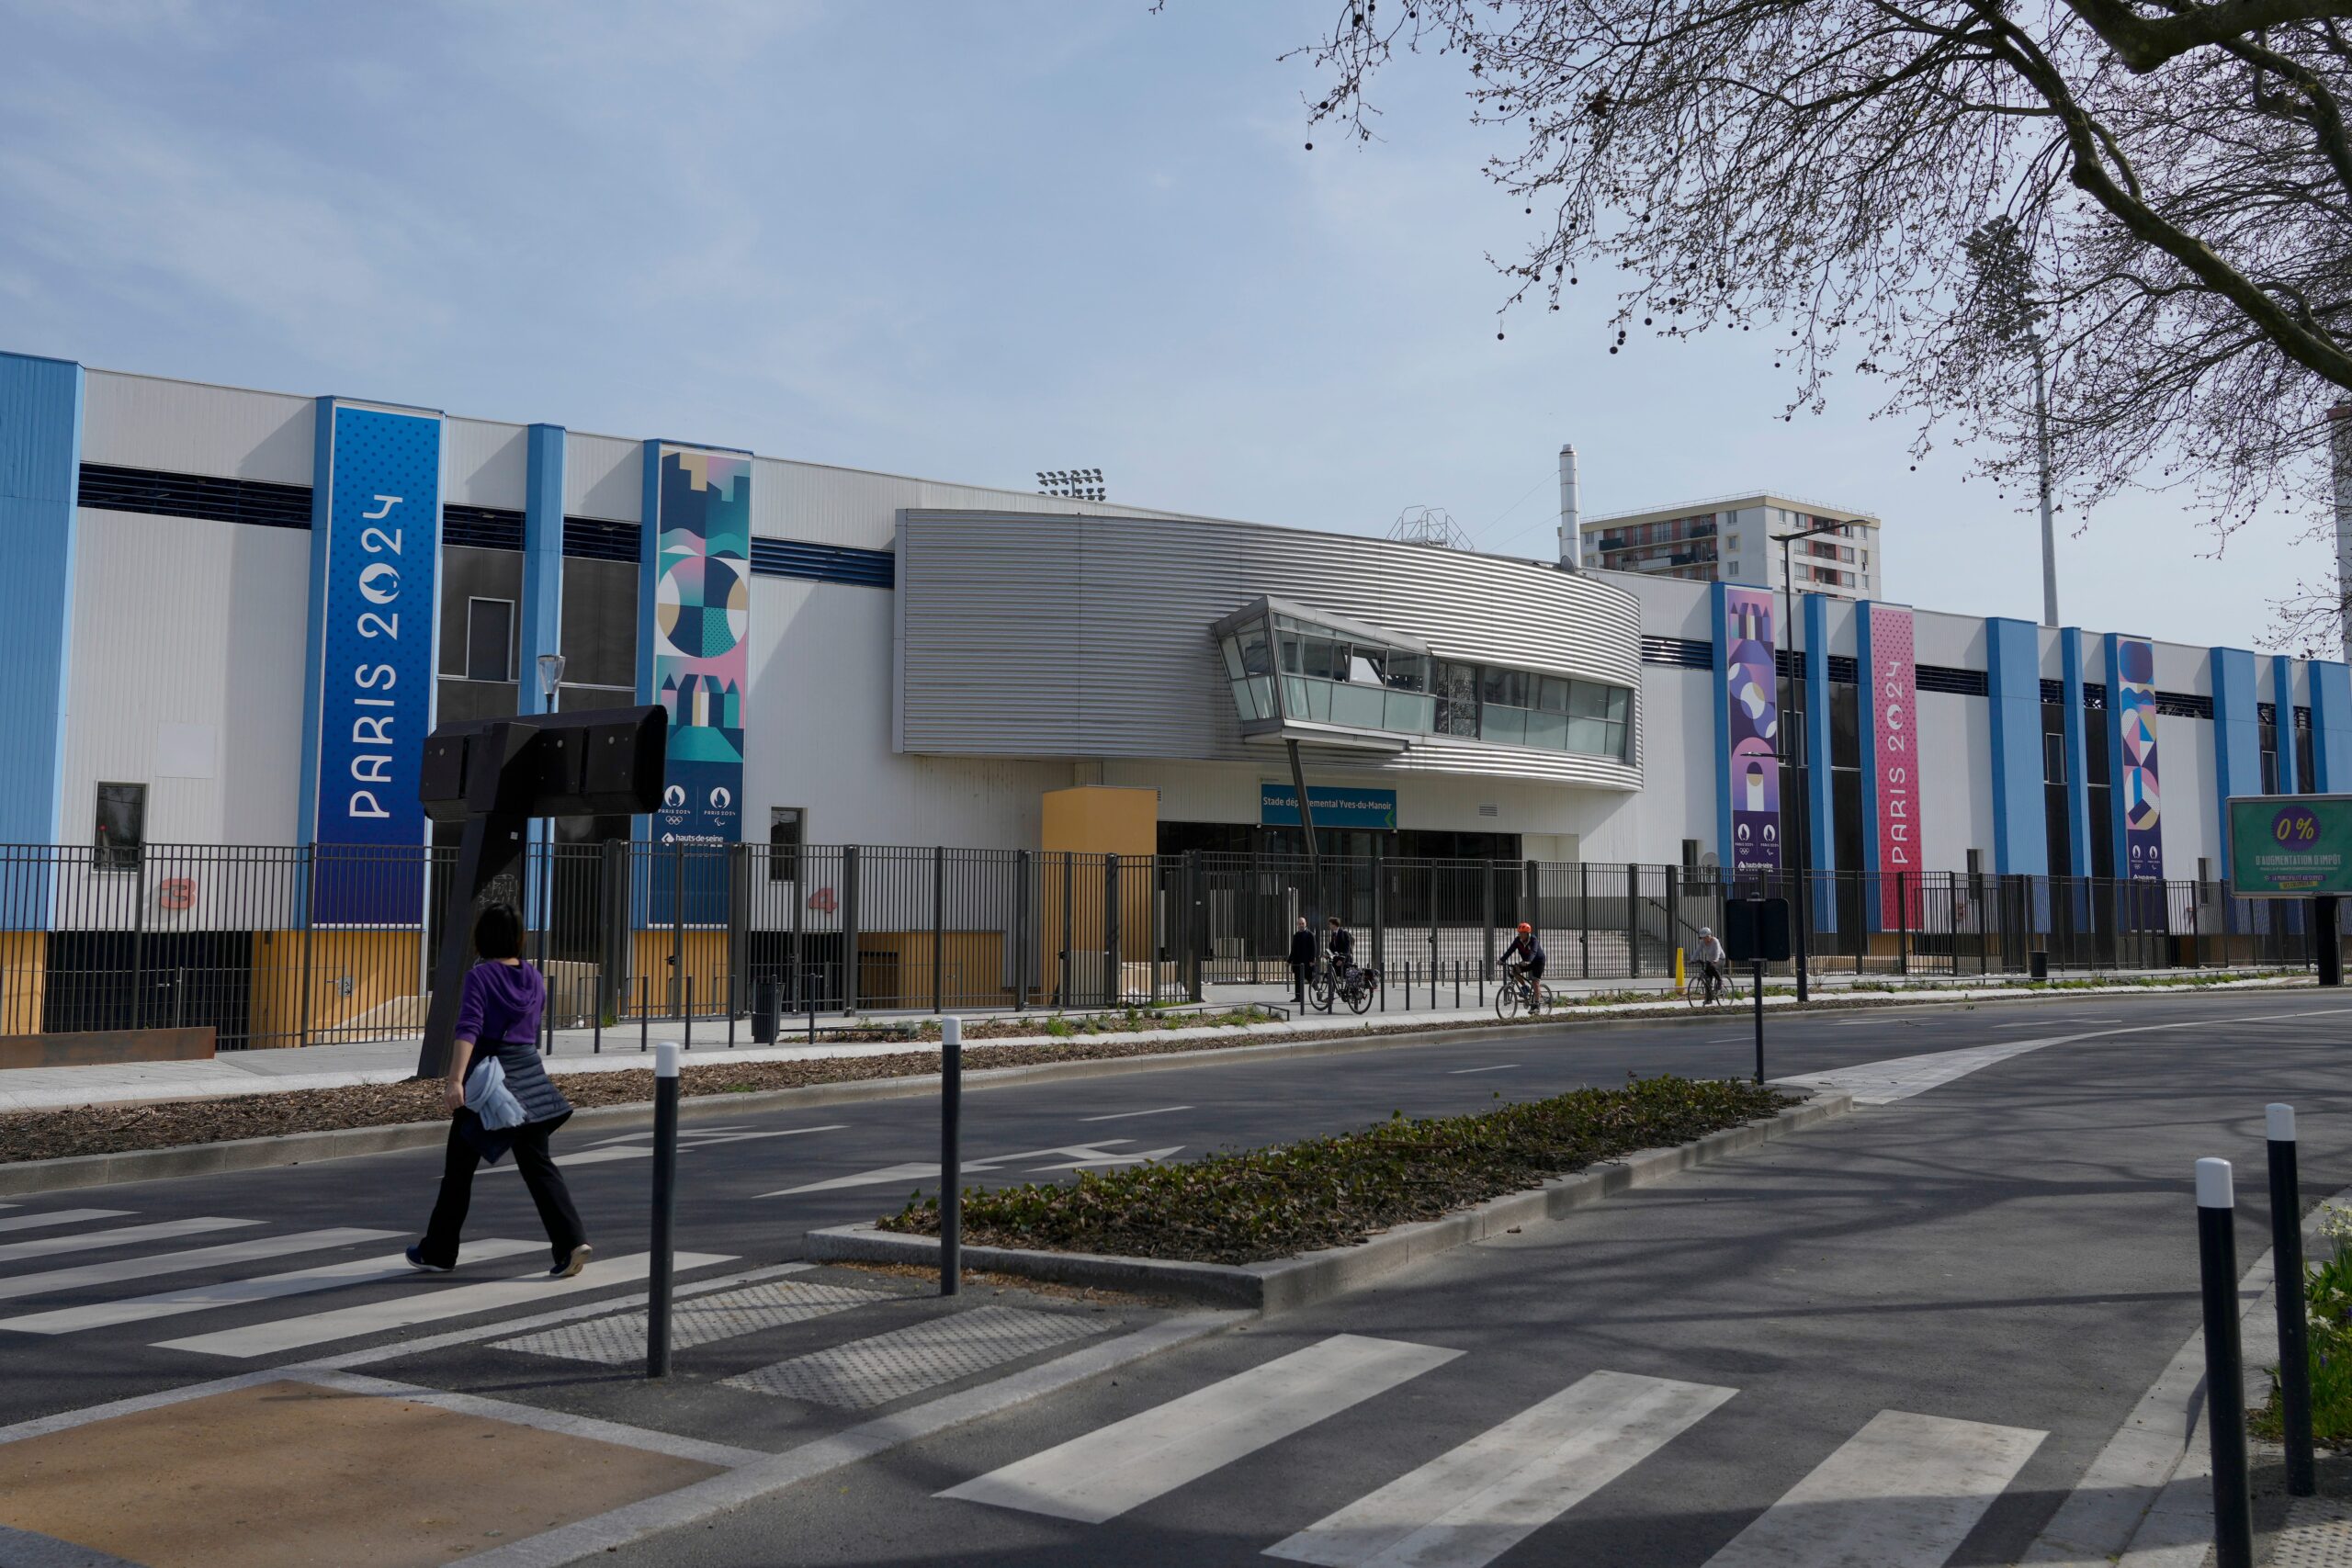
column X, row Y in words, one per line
column 542, row 556
column 40, row 460
column 2283, row 698
column 2237, row 734
column 321, row 528
column 1820, row 799
column 2077, row 742
column 2331, row 726
column 2013, row 685
column 1720, row 640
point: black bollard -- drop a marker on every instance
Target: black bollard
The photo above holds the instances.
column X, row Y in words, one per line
column 665, row 1207
column 1759, row 1021
column 2217, row 1259
column 951, row 1156
column 2287, row 1253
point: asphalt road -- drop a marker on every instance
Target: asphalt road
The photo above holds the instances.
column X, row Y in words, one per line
column 2011, row 1251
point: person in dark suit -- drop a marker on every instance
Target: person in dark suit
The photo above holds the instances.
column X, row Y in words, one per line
column 1301, row 960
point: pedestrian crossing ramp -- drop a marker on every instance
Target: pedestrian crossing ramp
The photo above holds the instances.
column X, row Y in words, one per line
column 111, row 1269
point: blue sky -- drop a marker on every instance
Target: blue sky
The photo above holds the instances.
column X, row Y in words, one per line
column 965, row 241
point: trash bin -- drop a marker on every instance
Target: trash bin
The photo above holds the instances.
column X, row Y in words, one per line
column 764, row 1005
column 2037, row 964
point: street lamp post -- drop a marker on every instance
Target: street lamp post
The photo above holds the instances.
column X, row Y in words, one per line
column 1802, row 814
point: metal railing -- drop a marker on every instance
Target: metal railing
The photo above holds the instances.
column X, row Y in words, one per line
column 265, row 945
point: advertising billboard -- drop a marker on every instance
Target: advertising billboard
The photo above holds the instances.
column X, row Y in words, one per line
column 2135, row 698
column 1751, row 695
column 375, row 574
column 1892, row 695
column 2290, row 846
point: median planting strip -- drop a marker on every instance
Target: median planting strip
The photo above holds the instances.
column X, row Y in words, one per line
column 1282, row 1227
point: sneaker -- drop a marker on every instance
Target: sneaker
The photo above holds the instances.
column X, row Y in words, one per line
column 416, row 1260
column 573, row 1264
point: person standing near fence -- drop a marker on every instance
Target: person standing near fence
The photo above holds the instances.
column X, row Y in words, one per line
column 1302, row 961
column 501, row 1099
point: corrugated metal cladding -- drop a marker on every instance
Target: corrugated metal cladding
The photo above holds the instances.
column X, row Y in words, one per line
column 858, row 508
column 485, row 463
column 1031, row 635
column 189, row 427
column 604, row 476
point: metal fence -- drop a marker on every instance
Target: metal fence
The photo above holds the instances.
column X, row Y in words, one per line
column 239, row 939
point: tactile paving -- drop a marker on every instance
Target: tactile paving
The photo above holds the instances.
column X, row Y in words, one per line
column 2318, row 1534
column 877, row 1370
column 722, row 1314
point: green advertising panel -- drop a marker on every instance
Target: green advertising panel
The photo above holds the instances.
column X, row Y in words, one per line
column 2290, row 846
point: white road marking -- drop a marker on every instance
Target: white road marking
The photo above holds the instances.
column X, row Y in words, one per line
column 422, row 1306
column 239, row 1293
column 251, row 1250
column 1094, row 1153
column 1099, row 1159
column 122, row 1235
column 1467, row 1508
column 58, row 1217
column 1124, row 1115
column 1498, row 1068
column 1129, row 1462
column 624, row 1148
column 1902, row 1493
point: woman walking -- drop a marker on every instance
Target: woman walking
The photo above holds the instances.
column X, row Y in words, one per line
column 498, row 1027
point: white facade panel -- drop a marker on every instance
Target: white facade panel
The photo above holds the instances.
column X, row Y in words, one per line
column 1956, row 642
column 603, row 477
column 189, row 427
column 860, row 509
column 484, row 463
column 2189, row 793
column 187, row 640
column 1955, row 781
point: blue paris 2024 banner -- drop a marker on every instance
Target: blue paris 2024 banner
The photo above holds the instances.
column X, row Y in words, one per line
column 375, row 663
column 701, row 666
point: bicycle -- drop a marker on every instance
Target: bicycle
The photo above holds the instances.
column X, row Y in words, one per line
column 1518, row 992
column 1694, row 989
column 1356, row 987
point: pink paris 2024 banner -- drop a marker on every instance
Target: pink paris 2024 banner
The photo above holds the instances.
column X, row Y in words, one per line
column 1894, row 695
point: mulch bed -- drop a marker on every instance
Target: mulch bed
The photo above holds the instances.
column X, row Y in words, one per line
column 117, row 1127
column 1291, row 1198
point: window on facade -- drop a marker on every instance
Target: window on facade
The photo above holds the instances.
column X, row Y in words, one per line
column 489, row 639
column 122, row 825
column 2306, row 780
column 1456, row 686
column 787, row 824
column 600, row 598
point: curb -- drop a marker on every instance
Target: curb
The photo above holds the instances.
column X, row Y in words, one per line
column 1289, row 1283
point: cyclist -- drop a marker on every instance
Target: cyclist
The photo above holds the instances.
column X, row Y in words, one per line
column 1710, row 961
column 1524, row 960
column 1341, row 945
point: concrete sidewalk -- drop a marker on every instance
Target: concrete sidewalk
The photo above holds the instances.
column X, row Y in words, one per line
column 577, row 1050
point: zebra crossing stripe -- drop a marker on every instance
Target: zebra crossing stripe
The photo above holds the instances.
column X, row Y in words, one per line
column 422, row 1306
column 121, row 1235
column 239, row 1293
column 1469, row 1507
column 251, row 1250
column 58, row 1217
column 1129, row 1462
column 1902, row 1493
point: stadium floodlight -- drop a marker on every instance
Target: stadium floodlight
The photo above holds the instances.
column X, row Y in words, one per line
column 1072, row 484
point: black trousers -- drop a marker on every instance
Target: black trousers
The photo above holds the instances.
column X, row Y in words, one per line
column 1298, row 974
column 439, row 1246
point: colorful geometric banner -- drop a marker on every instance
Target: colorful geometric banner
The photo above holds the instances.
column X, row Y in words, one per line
column 2135, row 708
column 1892, row 690
column 381, row 543
column 699, row 658
column 1752, row 695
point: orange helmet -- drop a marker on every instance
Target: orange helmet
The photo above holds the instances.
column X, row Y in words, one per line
column 1526, row 930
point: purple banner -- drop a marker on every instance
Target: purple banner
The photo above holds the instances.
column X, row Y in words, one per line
column 2135, row 716
column 1751, row 689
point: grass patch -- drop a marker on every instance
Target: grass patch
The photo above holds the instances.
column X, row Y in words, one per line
column 2327, row 1305
column 1293, row 1198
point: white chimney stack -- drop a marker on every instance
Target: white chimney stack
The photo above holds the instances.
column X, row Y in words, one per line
column 1571, row 545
